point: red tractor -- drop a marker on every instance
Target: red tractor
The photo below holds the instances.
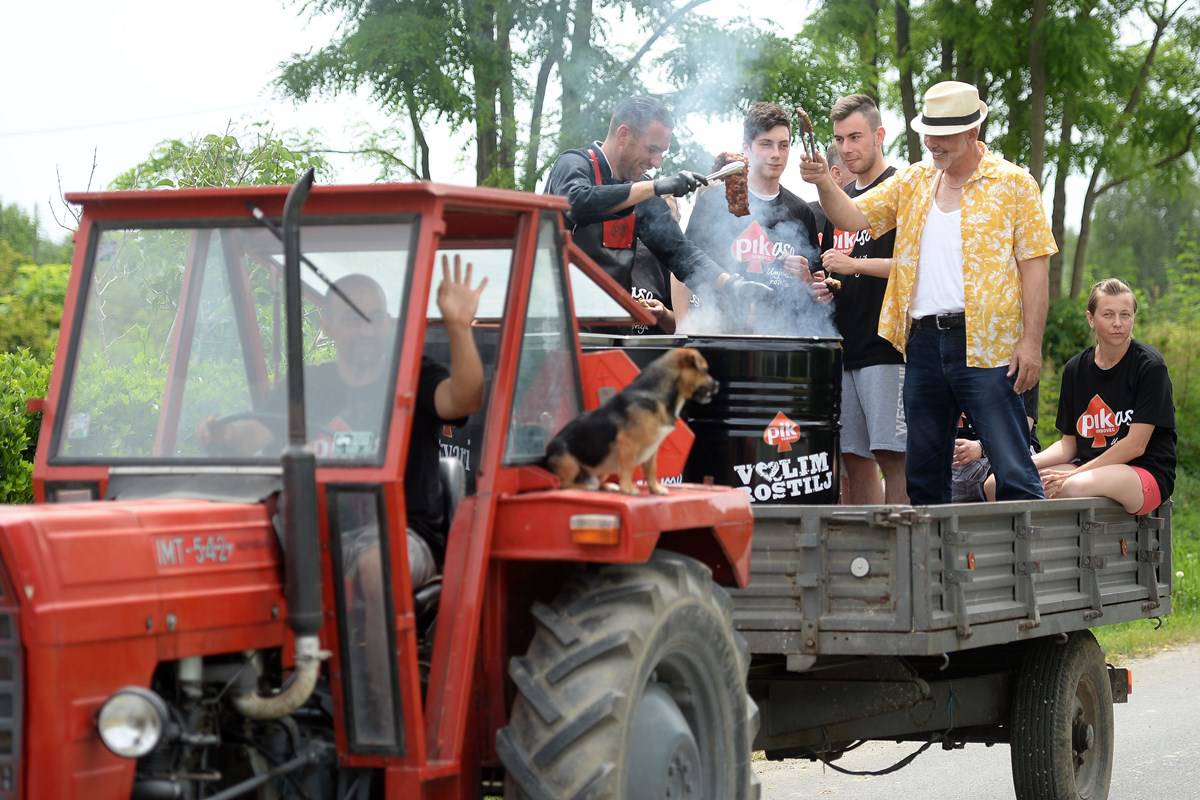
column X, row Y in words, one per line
column 178, row 621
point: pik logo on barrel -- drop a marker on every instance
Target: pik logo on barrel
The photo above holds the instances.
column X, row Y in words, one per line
column 781, row 433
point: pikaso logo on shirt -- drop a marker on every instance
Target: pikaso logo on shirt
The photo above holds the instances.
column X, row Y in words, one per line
column 845, row 241
column 754, row 248
column 1099, row 421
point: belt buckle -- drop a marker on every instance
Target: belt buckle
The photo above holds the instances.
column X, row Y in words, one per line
column 937, row 321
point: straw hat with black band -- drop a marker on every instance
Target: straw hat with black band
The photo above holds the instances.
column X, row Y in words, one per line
column 950, row 107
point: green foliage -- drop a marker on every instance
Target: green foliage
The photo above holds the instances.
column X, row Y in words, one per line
column 19, row 231
column 1141, row 229
column 256, row 156
column 21, row 377
column 1067, row 331
column 30, row 311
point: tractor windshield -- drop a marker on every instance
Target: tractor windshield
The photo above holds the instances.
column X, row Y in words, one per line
column 180, row 352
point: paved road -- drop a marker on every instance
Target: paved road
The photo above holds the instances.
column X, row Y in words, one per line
column 1157, row 752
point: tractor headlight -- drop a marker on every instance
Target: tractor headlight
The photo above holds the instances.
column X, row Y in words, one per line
column 131, row 722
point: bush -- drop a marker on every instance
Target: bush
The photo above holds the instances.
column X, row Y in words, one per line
column 1067, row 331
column 21, row 376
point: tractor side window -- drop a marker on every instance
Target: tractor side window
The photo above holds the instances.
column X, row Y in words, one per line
column 547, row 389
column 364, row 601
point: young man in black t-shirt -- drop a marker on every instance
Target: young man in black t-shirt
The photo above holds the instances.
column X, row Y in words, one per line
column 874, row 434
column 775, row 245
column 1116, row 413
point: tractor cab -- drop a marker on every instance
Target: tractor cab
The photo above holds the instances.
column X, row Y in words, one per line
column 244, row 531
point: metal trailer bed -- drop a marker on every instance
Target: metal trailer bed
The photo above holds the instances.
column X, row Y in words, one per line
column 950, row 625
column 902, row 580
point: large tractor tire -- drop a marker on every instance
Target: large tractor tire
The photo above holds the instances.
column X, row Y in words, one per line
column 1062, row 721
column 634, row 687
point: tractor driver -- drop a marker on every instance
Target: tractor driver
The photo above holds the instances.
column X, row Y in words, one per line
column 350, row 392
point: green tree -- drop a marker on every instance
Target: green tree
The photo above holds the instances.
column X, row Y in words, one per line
column 31, row 310
column 480, row 63
column 255, row 156
column 21, row 232
column 22, row 376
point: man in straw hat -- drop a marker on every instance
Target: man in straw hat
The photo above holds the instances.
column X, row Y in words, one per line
column 966, row 298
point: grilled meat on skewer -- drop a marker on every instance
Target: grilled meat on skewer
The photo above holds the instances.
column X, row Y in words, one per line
column 808, row 139
column 736, row 192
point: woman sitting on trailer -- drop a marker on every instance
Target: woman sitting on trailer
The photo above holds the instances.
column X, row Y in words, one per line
column 1115, row 412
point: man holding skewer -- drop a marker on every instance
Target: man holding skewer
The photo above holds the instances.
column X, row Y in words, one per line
column 616, row 208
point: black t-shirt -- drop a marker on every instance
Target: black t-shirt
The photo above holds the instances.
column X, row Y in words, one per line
column 856, row 307
column 818, row 215
column 338, row 406
column 755, row 246
column 1096, row 406
column 574, row 177
column 651, row 281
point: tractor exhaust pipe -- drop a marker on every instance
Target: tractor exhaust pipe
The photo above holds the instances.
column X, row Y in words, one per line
column 299, row 500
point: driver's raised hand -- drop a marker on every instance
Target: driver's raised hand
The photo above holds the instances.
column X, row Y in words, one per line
column 456, row 299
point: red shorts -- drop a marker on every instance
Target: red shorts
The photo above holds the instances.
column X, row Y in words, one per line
column 1151, row 494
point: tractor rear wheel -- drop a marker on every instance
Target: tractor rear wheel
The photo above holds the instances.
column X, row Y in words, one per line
column 634, row 687
column 1062, row 721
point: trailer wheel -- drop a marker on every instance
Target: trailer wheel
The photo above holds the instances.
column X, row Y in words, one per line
column 1062, row 722
column 634, row 687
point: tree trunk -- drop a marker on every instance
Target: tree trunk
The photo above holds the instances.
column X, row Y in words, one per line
column 966, row 68
column 554, row 51
column 946, row 68
column 869, row 48
column 507, row 156
column 1037, row 93
column 908, row 98
column 418, row 136
column 481, row 27
column 1085, row 230
column 1058, row 215
column 576, row 72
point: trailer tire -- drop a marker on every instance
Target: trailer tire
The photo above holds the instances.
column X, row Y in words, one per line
column 1062, row 721
column 633, row 687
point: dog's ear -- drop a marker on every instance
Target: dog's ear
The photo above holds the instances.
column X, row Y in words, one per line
column 692, row 358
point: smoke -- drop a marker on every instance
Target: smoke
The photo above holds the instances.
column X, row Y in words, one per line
column 757, row 247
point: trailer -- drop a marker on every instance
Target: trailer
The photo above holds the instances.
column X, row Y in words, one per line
column 954, row 624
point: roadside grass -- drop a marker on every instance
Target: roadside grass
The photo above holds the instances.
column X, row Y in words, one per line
column 1182, row 625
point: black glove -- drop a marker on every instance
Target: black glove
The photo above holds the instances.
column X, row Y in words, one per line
column 680, row 184
column 745, row 293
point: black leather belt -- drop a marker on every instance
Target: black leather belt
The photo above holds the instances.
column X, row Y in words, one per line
column 942, row 322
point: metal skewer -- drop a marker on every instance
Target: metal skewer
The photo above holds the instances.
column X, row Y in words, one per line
column 732, row 168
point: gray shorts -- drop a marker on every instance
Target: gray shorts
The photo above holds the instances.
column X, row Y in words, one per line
column 873, row 410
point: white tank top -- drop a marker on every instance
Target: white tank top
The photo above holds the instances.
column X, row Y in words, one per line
column 940, row 270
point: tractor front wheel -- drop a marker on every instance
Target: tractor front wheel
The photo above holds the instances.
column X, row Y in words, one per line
column 633, row 688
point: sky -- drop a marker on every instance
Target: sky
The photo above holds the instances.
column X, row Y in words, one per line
column 115, row 77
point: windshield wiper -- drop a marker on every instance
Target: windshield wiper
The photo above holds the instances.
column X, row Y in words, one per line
column 261, row 217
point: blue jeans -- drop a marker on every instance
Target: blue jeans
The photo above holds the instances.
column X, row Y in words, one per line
column 938, row 385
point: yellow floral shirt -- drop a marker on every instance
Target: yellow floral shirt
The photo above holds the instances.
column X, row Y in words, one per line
column 1003, row 222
